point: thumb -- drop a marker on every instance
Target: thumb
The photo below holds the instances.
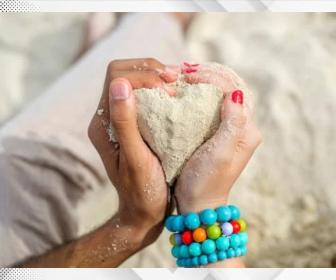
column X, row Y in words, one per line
column 231, row 128
column 124, row 120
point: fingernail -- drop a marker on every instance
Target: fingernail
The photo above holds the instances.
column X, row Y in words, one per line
column 194, row 65
column 119, row 90
column 186, row 64
column 173, row 69
column 237, row 97
column 188, row 71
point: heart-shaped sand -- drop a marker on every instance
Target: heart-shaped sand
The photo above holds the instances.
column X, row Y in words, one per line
column 174, row 127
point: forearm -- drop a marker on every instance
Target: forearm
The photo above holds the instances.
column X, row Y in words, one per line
column 108, row 246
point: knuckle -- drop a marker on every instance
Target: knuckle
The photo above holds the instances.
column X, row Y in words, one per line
column 92, row 133
column 112, row 65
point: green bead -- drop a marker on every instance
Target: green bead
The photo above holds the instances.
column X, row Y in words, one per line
column 242, row 225
column 213, row 232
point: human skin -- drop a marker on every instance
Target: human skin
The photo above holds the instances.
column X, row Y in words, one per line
column 218, row 162
column 133, row 168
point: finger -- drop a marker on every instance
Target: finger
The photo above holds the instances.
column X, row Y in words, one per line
column 107, row 150
column 250, row 140
column 144, row 80
column 169, row 73
column 124, row 122
column 222, row 77
column 226, row 139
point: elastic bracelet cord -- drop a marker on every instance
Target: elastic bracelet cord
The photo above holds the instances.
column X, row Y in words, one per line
column 208, row 237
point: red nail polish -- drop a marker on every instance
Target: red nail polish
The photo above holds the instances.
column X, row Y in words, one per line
column 195, row 65
column 188, row 71
column 186, row 64
column 238, row 97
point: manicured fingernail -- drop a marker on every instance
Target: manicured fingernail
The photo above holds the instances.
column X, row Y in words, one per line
column 119, row 90
column 173, row 69
column 237, row 97
column 186, row 64
column 188, row 71
column 194, row 65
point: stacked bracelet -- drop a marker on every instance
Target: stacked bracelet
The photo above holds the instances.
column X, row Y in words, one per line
column 212, row 236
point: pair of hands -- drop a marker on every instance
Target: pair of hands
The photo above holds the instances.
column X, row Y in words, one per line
column 135, row 170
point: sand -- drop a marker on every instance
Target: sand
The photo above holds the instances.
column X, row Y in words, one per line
column 174, row 127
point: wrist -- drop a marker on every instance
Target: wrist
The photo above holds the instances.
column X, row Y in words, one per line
column 142, row 231
column 185, row 206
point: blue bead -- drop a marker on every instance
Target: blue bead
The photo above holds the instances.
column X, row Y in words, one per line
column 208, row 246
column 179, row 262
column 208, row 217
column 169, row 223
column 230, row 253
column 195, row 261
column 188, row 262
column 203, row 260
column 234, row 241
column 222, row 243
column 184, row 251
column 235, row 212
column 192, row 221
column 175, row 252
column 183, row 262
column 223, row 213
column 178, row 239
column 227, row 228
column 213, row 258
column 243, row 238
column 178, row 223
column 221, row 255
column 195, row 249
column 238, row 252
column 243, row 250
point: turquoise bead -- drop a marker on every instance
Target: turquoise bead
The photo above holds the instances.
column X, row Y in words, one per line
column 243, row 250
column 195, row 249
column 169, row 223
column 243, row 238
column 179, row 262
column 192, row 221
column 238, row 252
column 221, row 255
column 188, row 262
column 230, row 253
column 195, row 261
column 213, row 258
column 223, row 213
column 208, row 246
column 235, row 212
column 178, row 239
column 184, row 251
column 175, row 252
column 208, row 217
column 234, row 241
column 203, row 260
column 222, row 243
column 178, row 223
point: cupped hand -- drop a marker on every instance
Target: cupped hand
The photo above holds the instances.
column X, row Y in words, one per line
column 208, row 176
column 134, row 170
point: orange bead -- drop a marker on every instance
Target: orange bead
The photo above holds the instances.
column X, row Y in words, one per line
column 199, row 234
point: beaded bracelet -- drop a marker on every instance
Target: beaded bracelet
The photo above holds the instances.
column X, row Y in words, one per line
column 193, row 245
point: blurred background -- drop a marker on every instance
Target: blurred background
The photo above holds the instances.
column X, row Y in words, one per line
column 287, row 193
